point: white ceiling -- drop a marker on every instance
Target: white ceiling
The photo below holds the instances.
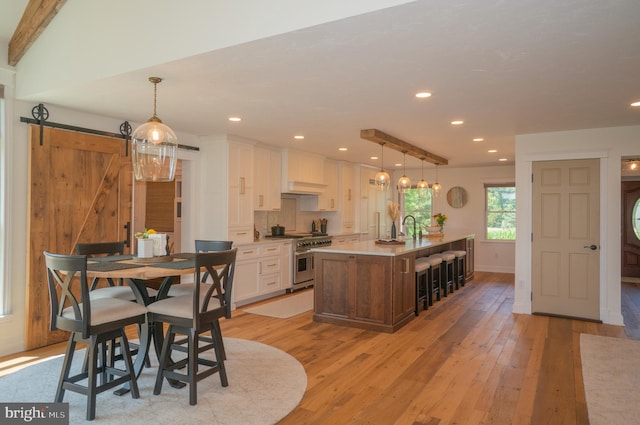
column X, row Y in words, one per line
column 504, row 67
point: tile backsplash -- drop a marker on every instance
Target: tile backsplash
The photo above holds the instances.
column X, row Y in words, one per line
column 289, row 216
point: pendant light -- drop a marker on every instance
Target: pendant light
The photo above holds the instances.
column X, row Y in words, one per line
column 422, row 184
column 404, row 183
column 437, row 187
column 154, row 147
column 382, row 178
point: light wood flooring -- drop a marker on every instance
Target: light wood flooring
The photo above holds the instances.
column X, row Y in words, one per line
column 467, row 360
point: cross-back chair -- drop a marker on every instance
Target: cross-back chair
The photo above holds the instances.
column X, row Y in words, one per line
column 91, row 322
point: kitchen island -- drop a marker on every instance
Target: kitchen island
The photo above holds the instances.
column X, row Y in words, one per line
column 372, row 286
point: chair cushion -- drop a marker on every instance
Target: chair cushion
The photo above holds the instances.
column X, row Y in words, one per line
column 104, row 310
column 181, row 306
column 457, row 253
column 445, row 256
column 422, row 266
column 120, row 292
column 187, row 289
column 434, row 261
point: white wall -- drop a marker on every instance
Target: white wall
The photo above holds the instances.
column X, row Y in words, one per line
column 490, row 256
column 607, row 144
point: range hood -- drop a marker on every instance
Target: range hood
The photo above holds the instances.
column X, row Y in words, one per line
column 303, row 188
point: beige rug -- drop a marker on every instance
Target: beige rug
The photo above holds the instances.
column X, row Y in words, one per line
column 265, row 384
column 285, row 307
column 611, row 372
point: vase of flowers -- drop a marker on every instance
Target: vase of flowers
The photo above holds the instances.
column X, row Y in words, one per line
column 393, row 209
column 440, row 219
column 145, row 245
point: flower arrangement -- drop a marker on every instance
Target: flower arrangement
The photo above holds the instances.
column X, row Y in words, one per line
column 440, row 219
column 393, row 209
column 145, row 234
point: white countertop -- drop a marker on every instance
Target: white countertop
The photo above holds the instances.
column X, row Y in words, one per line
column 410, row 245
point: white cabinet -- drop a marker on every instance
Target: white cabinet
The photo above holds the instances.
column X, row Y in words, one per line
column 302, row 172
column 348, row 186
column 262, row 271
column 245, row 284
column 240, row 190
column 327, row 200
column 344, row 239
column 267, row 171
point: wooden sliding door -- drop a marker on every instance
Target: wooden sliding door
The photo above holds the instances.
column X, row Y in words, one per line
column 80, row 190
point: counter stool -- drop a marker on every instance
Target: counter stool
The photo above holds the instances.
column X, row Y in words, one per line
column 422, row 294
column 447, row 271
column 434, row 275
column 459, row 267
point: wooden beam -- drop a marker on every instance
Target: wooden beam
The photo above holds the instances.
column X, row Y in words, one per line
column 35, row 19
column 392, row 142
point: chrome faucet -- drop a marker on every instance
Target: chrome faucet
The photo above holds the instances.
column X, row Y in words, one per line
column 414, row 223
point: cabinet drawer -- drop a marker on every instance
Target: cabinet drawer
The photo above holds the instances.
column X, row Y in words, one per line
column 270, row 250
column 269, row 265
column 246, row 253
column 269, row 283
column 241, row 235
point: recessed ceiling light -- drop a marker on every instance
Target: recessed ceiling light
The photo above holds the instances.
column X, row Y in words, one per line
column 374, row 157
column 398, row 164
column 299, row 137
column 502, row 159
column 235, row 119
column 457, row 122
column 636, row 103
column 342, row 149
column 492, row 150
column 423, row 94
column 478, row 139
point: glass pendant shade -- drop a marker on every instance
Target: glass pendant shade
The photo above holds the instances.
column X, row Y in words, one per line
column 437, row 187
column 154, row 148
column 404, row 183
column 382, row 179
column 422, row 184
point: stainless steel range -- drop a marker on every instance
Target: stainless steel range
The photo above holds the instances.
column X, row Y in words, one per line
column 303, row 267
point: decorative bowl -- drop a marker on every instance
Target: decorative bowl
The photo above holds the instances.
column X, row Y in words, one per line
column 432, row 229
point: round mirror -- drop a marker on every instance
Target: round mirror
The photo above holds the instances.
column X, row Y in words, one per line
column 457, row 197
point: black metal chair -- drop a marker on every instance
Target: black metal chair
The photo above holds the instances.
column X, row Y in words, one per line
column 192, row 315
column 459, row 267
column 422, row 290
column 434, row 278
column 91, row 322
column 113, row 290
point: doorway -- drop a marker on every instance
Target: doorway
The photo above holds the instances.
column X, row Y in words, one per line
column 630, row 229
column 565, row 238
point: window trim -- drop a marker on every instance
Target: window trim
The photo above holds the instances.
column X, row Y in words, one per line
column 486, row 210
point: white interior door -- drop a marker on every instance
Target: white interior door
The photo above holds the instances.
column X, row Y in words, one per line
column 565, row 239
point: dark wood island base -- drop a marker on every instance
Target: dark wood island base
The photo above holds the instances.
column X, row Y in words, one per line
column 369, row 286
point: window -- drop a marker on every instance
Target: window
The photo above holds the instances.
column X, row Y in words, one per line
column 500, row 203
column 417, row 202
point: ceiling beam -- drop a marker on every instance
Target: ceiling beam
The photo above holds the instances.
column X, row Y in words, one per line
column 35, row 19
column 388, row 140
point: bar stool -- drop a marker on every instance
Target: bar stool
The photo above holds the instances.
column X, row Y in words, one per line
column 459, row 267
column 434, row 275
column 422, row 294
column 447, row 271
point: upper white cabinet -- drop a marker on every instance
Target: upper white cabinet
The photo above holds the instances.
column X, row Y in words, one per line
column 302, row 172
column 240, row 185
column 348, row 187
column 327, row 200
column 267, row 171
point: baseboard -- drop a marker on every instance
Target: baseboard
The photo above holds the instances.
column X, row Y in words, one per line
column 494, row 268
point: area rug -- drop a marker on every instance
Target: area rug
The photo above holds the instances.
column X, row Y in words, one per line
column 285, row 307
column 611, row 372
column 265, row 384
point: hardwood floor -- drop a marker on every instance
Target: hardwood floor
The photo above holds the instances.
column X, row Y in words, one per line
column 467, row 360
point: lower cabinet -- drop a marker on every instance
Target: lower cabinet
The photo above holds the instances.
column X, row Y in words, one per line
column 364, row 291
column 259, row 272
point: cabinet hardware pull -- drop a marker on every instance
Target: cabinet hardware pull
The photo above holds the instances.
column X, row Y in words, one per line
column 349, row 197
column 241, row 233
column 261, row 201
column 241, row 185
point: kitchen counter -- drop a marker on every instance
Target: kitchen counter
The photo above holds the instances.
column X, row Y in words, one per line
column 372, row 286
column 410, row 245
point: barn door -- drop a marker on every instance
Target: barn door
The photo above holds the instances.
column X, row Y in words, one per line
column 80, row 191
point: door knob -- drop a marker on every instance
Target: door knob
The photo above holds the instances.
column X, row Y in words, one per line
column 591, row 247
